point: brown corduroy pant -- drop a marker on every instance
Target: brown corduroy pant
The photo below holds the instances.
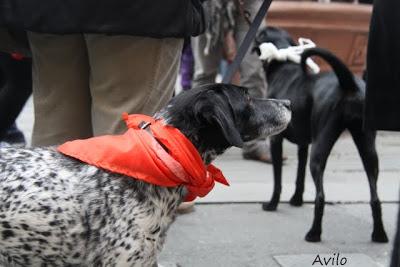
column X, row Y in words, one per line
column 82, row 83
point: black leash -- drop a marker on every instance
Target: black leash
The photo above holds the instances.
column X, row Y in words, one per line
column 248, row 40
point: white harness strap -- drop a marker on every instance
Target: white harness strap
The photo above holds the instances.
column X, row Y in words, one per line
column 270, row 52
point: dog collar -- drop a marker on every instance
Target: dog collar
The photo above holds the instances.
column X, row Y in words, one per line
column 150, row 151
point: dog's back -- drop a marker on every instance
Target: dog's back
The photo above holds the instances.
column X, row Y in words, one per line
column 338, row 91
column 24, row 175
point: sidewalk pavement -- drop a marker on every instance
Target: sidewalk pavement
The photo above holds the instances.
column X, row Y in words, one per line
column 228, row 227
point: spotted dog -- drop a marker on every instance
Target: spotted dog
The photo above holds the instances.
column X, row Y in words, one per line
column 58, row 211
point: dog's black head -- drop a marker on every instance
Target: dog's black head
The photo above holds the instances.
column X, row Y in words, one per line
column 215, row 117
column 279, row 37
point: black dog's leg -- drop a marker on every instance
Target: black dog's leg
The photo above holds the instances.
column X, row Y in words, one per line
column 276, row 154
column 365, row 142
column 321, row 148
column 302, row 154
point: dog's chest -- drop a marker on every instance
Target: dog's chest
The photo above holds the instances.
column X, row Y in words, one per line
column 131, row 218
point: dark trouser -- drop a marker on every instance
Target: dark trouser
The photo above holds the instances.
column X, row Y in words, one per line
column 82, row 83
column 15, row 89
column 396, row 246
column 382, row 107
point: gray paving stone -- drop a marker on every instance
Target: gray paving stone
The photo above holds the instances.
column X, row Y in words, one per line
column 239, row 235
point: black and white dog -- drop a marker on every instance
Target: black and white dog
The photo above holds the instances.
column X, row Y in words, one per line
column 323, row 106
column 57, row 211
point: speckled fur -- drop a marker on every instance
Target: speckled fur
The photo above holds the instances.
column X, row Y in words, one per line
column 58, row 211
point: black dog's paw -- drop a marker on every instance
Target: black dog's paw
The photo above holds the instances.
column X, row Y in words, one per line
column 269, row 206
column 312, row 236
column 379, row 236
column 296, row 200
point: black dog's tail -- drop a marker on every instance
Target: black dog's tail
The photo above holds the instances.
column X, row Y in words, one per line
column 344, row 75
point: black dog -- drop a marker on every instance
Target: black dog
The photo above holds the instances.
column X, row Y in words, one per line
column 57, row 211
column 323, row 106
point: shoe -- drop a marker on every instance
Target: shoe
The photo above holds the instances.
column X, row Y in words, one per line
column 258, row 155
column 259, row 152
column 14, row 136
column 186, row 207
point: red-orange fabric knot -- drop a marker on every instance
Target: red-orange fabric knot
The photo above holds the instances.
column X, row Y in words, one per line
column 138, row 153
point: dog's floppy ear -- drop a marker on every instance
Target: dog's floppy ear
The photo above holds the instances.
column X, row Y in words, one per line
column 227, row 126
column 219, row 113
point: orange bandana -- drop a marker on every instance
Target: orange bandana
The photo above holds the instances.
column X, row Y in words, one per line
column 137, row 153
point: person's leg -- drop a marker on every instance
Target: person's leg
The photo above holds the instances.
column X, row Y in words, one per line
column 205, row 66
column 61, row 94
column 252, row 76
column 130, row 74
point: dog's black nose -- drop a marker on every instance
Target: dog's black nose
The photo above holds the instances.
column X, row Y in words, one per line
column 285, row 103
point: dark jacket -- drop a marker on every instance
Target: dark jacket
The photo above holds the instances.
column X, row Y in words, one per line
column 382, row 110
column 150, row 18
